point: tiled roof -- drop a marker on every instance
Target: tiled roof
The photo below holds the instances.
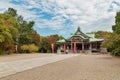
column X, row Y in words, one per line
column 92, row 37
column 80, row 33
column 61, row 41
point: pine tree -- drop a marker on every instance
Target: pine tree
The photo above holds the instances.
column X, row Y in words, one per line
column 116, row 27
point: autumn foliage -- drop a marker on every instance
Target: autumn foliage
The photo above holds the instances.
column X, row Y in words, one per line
column 15, row 31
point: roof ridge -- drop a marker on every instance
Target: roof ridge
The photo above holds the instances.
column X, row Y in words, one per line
column 79, row 32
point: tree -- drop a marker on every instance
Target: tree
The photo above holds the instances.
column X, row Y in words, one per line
column 25, row 28
column 14, row 30
column 116, row 31
column 102, row 34
column 116, row 27
column 12, row 12
column 8, row 31
column 36, row 38
column 47, row 41
column 112, row 42
column 26, row 33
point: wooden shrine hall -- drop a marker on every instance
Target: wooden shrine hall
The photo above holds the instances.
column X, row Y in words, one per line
column 80, row 42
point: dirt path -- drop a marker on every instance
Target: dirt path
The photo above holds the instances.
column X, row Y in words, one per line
column 82, row 67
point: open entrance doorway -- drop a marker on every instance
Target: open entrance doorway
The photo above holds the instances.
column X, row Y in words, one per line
column 78, row 47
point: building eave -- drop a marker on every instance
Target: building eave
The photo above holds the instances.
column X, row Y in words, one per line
column 95, row 40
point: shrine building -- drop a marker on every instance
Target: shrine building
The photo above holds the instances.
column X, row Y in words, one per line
column 80, row 42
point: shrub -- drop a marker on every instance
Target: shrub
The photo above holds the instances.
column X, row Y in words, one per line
column 2, row 52
column 33, row 48
column 29, row 48
column 116, row 52
column 25, row 48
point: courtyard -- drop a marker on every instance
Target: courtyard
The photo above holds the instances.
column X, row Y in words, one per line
column 71, row 67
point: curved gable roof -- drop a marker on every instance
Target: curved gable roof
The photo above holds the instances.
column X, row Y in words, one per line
column 80, row 33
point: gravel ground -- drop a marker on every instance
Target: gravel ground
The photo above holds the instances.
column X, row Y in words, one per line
column 82, row 67
column 13, row 57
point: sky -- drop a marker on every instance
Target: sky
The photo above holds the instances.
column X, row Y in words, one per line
column 64, row 16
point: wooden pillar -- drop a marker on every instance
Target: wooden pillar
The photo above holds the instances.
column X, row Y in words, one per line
column 82, row 46
column 74, row 47
column 71, row 46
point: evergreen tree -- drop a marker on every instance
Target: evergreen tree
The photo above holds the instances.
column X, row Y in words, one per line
column 116, row 27
column 12, row 12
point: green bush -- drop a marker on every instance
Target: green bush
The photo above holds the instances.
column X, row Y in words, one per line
column 116, row 52
column 2, row 52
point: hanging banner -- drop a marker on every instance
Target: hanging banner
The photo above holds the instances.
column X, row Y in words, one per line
column 52, row 47
column 74, row 47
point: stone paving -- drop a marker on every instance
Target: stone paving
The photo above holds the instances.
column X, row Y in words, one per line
column 81, row 67
column 14, row 57
column 12, row 67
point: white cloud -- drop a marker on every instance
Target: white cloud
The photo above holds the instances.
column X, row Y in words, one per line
column 56, row 23
column 83, row 13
